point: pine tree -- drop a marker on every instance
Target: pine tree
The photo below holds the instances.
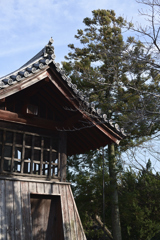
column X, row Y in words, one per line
column 110, row 72
column 107, row 69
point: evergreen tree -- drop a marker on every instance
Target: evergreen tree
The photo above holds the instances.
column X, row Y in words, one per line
column 138, row 200
column 139, row 205
column 108, row 70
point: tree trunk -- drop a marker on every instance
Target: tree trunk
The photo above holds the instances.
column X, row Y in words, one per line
column 116, row 227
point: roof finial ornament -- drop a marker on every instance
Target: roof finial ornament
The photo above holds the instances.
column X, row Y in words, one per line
column 49, row 49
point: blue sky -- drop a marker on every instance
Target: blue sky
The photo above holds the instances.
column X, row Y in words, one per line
column 27, row 25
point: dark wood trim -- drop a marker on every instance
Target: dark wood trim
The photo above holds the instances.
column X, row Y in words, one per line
column 32, row 121
column 41, row 160
column 10, row 127
column 13, row 151
column 32, row 156
column 63, row 155
column 23, row 152
column 50, row 159
column 2, row 100
column 3, row 144
column 30, row 176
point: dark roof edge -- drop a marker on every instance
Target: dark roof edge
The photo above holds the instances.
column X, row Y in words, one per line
column 34, row 65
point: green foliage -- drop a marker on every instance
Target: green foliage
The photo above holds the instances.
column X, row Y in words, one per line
column 115, row 76
column 140, row 213
column 138, row 200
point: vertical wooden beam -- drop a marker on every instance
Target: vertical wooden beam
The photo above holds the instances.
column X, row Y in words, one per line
column 59, row 166
column 32, row 156
column 3, row 145
column 50, row 160
column 23, row 153
column 41, row 162
column 63, row 155
column 13, row 152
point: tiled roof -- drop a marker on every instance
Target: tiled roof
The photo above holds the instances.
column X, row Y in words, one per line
column 38, row 63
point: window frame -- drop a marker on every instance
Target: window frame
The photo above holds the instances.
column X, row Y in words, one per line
column 47, row 169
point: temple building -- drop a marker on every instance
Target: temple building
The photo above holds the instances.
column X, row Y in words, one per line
column 43, row 119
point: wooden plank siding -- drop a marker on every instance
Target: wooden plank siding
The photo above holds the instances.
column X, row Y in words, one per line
column 15, row 209
column 79, row 228
column 65, row 213
column 3, row 229
column 9, row 210
column 26, row 211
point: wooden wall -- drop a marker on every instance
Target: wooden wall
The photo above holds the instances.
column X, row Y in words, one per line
column 15, row 209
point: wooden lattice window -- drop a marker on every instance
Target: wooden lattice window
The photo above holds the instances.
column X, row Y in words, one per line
column 27, row 153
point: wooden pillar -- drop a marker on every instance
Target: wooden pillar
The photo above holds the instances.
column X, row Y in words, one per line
column 63, row 155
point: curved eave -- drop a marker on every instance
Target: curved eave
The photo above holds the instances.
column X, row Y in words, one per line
column 32, row 68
